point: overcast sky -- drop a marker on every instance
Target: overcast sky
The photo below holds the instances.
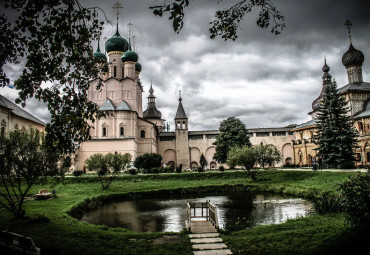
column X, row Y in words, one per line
column 263, row 79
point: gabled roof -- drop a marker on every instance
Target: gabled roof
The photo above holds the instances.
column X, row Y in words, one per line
column 18, row 111
column 356, row 87
column 305, row 125
column 123, row 106
column 107, row 106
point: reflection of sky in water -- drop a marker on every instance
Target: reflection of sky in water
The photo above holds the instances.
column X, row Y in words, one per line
column 169, row 214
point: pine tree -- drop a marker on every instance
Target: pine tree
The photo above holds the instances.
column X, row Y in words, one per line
column 336, row 136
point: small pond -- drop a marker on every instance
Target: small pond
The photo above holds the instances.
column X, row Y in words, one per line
column 167, row 214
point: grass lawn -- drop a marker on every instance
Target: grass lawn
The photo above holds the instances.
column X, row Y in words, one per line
column 49, row 224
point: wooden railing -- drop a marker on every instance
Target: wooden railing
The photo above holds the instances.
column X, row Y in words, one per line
column 205, row 210
column 17, row 244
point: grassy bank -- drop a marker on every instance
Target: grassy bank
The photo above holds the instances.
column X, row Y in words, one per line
column 50, row 225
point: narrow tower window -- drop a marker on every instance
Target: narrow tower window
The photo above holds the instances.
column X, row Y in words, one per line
column 142, row 133
column 115, row 71
column 121, row 131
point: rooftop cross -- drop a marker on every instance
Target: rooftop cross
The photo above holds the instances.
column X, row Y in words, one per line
column 348, row 24
column 117, row 6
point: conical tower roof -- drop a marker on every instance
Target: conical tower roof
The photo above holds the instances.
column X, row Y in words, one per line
column 180, row 114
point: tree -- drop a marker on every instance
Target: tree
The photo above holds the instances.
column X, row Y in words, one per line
column 203, row 161
column 227, row 21
column 108, row 166
column 246, row 157
column 267, row 154
column 148, row 161
column 25, row 159
column 336, row 137
column 232, row 133
column 53, row 38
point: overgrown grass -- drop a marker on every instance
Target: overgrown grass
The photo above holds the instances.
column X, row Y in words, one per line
column 50, row 225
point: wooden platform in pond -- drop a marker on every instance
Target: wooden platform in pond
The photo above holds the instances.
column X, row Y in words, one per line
column 198, row 227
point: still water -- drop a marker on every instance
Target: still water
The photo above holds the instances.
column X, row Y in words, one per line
column 236, row 211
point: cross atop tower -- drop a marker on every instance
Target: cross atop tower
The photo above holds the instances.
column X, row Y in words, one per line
column 117, row 6
column 348, row 24
column 180, row 95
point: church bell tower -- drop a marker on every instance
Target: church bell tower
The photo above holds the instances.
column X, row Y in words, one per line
column 182, row 141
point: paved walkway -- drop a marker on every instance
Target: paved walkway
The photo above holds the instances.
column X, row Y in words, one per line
column 208, row 244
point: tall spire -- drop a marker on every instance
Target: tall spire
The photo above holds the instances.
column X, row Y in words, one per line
column 180, row 113
column 152, row 112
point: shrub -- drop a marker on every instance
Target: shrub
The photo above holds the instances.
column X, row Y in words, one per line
column 221, row 168
column 200, row 169
column 178, row 169
column 356, row 199
column 328, row 203
column 77, row 173
column 132, row 171
column 148, row 161
column 156, row 170
column 168, row 169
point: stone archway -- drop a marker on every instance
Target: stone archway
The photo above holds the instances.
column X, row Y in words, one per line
column 209, row 154
column 169, row 156
column 288, row 161
column 195, row 155
column 213, row 165
column 194, row 165
column 286, row 152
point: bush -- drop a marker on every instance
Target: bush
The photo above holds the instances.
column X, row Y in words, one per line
column 356, row 199
column 200, row 169
column 156, row 170
column 148, row 161
column 132, row 171
column 178, row 169
column 328, row 203
column 77, row 173
column 221, row 168
column 168, row 169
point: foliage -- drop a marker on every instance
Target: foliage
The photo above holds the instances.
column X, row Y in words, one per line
column 54, row 40
column 203, row 161
column 246, row 157
column 356, row 199
column 108, row 166
column 335, row 136
column 77, row 173
column 24, row 159
column 132, row 171
column 232, row 133
column 328, row 203
column 200, row 169
column 178, row 169
column 148, row 161
column 227, row 21
column 267, row 154
column 221, row 168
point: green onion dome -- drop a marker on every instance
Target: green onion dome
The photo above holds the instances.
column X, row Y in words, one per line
column 116, row 43
column 138, row 67
column 98, row 55
column 130, row 56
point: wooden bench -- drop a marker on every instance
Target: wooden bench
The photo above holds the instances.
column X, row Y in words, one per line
column 13, row 243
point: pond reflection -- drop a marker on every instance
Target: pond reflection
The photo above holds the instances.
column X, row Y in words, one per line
column 168, row 214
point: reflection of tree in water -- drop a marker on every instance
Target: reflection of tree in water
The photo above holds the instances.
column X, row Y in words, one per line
column 238, row 211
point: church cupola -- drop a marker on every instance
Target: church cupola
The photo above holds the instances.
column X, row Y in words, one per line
column 326, row 81
column 152, row 112
column 99, row 56
column 353, row 60
column 181, row 120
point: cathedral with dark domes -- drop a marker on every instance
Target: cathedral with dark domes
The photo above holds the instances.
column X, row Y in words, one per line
column 357, row 96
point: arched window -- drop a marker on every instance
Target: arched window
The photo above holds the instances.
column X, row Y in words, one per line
column 142, row 134
column 122, row 130
column 104, row 130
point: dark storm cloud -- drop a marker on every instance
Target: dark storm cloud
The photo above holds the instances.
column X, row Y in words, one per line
column 263, row 79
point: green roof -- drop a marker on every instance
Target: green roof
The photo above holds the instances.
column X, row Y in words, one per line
column 116, row 43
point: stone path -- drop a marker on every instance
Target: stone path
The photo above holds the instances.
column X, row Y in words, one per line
column 208, row 244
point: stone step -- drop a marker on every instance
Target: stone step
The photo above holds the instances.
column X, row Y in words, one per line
column 213, row 252
column 204, row 235
column 206, row 240
column 209, row 246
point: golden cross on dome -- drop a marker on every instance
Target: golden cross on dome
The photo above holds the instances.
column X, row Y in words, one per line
column 117, row 6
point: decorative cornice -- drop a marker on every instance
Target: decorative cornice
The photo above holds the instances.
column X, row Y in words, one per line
column 115, row 52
